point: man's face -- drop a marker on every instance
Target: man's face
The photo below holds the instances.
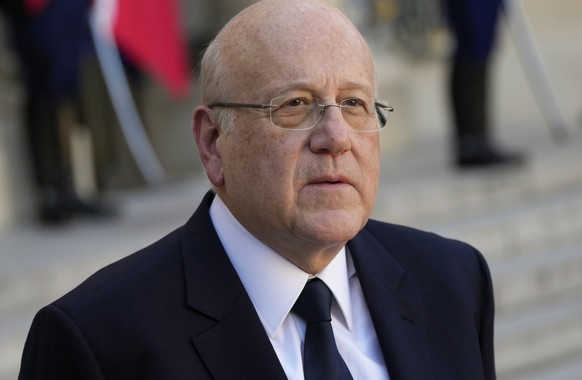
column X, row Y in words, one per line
column 301, row 190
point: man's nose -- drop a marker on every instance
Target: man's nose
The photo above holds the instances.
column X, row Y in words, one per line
column 332, row 132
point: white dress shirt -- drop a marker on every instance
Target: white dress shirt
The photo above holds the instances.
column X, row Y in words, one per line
column 274, row 284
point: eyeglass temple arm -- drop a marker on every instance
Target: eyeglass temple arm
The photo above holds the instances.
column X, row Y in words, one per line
column 380, row 106
column 239, row 105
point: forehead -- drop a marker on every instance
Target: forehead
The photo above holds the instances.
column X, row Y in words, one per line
column 277, row 50
column 312, row 71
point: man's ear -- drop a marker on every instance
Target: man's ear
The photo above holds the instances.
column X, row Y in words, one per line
column 206, row 134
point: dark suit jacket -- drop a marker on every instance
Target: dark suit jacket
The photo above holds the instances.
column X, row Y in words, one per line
column 177, row 310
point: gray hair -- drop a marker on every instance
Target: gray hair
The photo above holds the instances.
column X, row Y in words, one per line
column 215, row 80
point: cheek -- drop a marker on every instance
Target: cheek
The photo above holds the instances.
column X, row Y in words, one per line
column 238, row 163
column 260, row 163
column 369, row 164
column 277, row 162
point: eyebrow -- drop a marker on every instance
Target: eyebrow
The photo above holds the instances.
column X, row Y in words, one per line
column 358, row 86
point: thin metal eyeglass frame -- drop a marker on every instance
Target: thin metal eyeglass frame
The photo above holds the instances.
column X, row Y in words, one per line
column 383, row 119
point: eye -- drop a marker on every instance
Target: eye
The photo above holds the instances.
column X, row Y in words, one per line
column 290, row 113
column 292, row 106
column 353, row 102
column 296, row 102
column 354, row 105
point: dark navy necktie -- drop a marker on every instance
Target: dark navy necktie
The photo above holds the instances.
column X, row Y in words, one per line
column 321, row 359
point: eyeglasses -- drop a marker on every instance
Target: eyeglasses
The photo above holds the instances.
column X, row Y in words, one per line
column 300, row 114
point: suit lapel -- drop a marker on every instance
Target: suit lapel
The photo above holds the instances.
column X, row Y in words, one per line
column 231, row 340
column 396, row 309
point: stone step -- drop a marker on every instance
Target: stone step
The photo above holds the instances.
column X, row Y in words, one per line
column 511, row 230
column 12, row 336
column 540, row 336
column 37, row 260
column 425, row 191
column 537, row 277
column 431, row 201
column 568, row 367
column 24, row 293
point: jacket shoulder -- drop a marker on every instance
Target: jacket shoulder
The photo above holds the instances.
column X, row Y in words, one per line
column 138, row 273
column 402, row 241
column 431, row 258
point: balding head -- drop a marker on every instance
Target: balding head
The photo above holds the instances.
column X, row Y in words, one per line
column 302, row 192
column 271, row 42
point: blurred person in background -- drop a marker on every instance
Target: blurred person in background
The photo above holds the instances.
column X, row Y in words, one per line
column 51, row 38
column 473, row 24
column 280, row 273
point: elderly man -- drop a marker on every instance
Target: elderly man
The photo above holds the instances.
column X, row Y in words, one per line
column 289, row 136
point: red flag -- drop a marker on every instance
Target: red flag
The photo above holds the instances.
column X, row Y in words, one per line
column 34, row 7
column 150, row 35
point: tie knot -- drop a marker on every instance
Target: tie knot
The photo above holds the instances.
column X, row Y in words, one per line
column 314, row 302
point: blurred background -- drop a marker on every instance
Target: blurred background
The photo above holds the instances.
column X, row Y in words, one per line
column 124, row 193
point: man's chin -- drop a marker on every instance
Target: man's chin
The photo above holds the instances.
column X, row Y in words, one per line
column 333, row 226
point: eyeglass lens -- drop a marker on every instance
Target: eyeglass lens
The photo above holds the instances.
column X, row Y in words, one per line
column 300, row 114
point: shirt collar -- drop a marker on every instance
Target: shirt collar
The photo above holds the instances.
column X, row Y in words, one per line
column 275, row 284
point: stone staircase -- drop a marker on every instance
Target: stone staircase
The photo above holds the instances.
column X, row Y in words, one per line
column 528, row 223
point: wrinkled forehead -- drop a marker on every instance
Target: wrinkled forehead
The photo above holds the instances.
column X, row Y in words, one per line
column 303, row 42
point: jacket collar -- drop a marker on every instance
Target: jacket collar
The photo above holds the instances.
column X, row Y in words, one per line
column 395, row 306
column 230, row 338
